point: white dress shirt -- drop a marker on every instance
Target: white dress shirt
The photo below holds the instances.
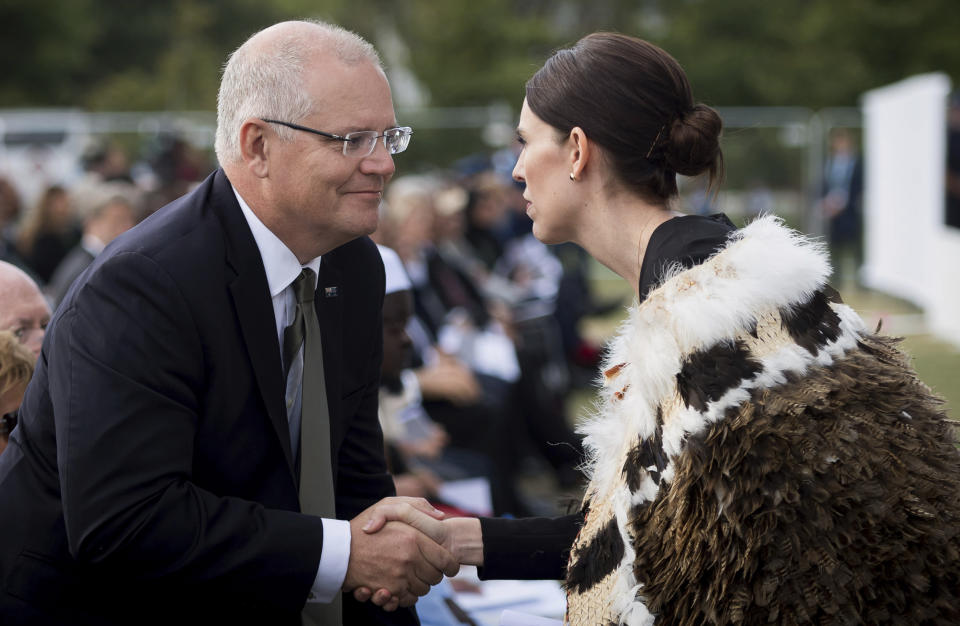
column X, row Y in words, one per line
column 282, row 268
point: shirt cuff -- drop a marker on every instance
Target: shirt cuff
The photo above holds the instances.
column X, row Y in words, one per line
column 333, row 561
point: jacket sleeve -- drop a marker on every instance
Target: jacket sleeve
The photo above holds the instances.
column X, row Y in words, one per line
column 126, row 378
column 527, row 549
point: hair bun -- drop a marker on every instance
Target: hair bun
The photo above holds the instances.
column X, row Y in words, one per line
column 694, row 142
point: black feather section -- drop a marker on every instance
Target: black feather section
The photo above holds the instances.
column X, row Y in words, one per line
column 710, row 373
column 633, row 467
column 596, row 560
column 812, row 324
column 646, row 454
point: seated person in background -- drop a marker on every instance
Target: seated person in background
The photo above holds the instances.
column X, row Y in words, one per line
column 417, row 446
column 16, row 369
column 454, row 318
column 23, row 310
column 107, row 211
column 9, row 215
column 48, row 231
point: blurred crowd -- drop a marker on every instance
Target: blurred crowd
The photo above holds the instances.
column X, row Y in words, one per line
column 481, row 333
column 54, row 234
column 481, row 337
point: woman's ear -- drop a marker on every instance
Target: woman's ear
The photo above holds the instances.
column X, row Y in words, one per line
column 254, row 146
column 580, row 151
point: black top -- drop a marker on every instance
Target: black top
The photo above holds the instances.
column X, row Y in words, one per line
column 688, row 240
column 539, row 547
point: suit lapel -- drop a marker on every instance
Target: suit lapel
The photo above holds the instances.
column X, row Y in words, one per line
column 329, row 307
column 254, row 309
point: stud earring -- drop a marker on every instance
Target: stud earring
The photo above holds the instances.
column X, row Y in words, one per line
column 572, row 177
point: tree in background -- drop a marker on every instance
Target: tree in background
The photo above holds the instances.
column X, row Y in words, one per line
column 120, row 55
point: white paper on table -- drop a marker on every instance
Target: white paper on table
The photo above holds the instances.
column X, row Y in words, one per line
column 514, row 618
column 545, row 597
column 469, row 494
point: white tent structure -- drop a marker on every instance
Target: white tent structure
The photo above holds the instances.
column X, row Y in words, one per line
column 909, row 250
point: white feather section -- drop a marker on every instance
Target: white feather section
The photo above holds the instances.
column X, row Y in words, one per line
column 764, row 266
column 625, row 587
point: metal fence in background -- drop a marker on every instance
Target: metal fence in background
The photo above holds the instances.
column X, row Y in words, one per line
column 774, row 156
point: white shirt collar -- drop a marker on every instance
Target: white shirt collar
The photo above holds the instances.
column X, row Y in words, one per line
column 279, row 262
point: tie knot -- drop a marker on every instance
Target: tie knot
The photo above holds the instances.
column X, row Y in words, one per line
column 304, row 286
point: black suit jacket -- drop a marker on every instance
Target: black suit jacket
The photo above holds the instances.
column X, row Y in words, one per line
column 72, row 265
column 151, row 473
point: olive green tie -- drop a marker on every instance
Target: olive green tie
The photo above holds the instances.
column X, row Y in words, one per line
column 316, row 468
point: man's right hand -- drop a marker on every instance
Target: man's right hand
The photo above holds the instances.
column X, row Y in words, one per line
column 461, row 536
column 404, row 557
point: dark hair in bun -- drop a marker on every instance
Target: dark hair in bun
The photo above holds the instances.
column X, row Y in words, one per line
column 634, row 100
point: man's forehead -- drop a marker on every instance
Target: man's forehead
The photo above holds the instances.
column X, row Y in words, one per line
column 21, row 299
column 18, row 287
column 24, row 311
column 356, row 96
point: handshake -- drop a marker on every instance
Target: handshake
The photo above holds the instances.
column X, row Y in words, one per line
column 400, row 547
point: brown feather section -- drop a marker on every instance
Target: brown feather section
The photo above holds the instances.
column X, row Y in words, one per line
column 613, row 371
column 832, row 499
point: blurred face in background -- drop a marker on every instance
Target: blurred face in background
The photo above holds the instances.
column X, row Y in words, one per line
column 489, row 205
column 9, row 203
column 59, row 211
column 23, row 310
column 114, row 219
column 412, row 226
column 397, row 309
column 449, row 222
column 449, row 226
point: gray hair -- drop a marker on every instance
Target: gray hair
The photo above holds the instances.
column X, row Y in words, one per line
column 264, row 77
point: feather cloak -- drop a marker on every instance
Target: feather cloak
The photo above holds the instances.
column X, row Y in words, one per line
column 757, row 456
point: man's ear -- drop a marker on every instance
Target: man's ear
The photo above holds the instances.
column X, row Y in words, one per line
column 580, row 151
column 255, row 140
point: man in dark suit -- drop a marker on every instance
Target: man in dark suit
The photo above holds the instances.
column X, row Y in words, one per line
column 162, row 459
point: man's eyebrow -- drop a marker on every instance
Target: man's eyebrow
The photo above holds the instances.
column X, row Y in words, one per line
column 356, row 129
column 25, row 321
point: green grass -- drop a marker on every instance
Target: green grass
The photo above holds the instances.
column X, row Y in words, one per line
column 938, row 364
column 937, row 361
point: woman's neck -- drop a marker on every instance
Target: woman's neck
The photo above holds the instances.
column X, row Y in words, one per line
column 618, row 234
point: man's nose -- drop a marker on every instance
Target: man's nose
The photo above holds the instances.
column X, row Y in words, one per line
column 379, row 162
column 33, row 339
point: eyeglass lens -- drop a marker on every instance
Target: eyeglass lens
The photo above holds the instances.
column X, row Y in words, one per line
column 363, row 143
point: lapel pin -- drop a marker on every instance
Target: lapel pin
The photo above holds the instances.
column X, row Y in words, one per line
column 330, row 292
